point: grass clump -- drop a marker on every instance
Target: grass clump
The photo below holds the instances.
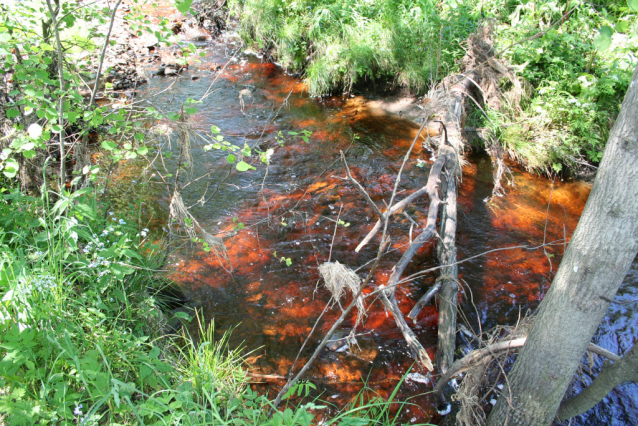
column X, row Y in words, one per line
column 338, row 44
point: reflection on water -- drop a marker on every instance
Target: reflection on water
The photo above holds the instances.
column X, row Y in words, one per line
column 292, row 213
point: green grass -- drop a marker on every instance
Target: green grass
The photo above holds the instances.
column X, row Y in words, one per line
column 80, row 327
column 337, row 44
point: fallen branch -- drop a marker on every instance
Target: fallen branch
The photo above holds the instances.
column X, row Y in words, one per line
column 388, row 293
column 446, row 248
column 425, row 299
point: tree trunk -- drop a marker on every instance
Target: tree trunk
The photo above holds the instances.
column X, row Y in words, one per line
column 598, row 257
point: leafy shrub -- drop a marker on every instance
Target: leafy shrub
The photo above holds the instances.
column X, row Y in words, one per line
column 579, row 71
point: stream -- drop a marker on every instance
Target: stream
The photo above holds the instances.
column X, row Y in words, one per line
column 288, row 210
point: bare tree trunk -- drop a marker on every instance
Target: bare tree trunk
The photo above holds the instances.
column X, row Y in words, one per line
column 599, row 255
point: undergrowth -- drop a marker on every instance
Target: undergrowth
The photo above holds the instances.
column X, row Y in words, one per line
column 576, row 76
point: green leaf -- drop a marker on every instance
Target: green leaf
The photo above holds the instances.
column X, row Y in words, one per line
column 13, row 113
column 633, row 5
column 29, row 153
column 11, row 168
column 603, row 39
column 108, row 145
column 214, row 129
column 622, row 26
column 243, row 166
column 120, row 271
column 183, row 5
column 231, row 158
column 190, row 110
column 142, row 150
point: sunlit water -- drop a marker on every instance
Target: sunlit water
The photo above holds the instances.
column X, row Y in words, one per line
column 271, row 307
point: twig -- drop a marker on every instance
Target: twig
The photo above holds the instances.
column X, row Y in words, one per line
column 334, row 234
column 545, row 228
column 359, row 187
column 96, row 86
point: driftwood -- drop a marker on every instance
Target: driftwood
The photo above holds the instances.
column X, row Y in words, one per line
column 487, row 354
column 446, row 154
column 446, row 249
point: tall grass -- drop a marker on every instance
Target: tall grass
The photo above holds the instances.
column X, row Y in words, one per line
column 337, row 44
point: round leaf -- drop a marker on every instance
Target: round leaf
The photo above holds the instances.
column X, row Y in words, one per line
column 11, row 168
column 242, row 166
column 603, row 39
column 183, row 5
column 622, row 26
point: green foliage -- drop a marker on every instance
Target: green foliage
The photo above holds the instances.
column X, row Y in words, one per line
column 338, row 43
column 575, row 75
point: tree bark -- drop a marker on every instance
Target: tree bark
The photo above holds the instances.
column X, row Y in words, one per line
column 598, row 257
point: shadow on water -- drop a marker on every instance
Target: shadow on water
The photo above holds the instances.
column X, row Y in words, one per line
column 291, row 214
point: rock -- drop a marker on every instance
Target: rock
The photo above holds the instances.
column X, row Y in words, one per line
column 195, row 77
column 171, row 71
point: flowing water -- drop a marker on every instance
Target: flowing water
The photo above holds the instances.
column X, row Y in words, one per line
column 289, row 209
